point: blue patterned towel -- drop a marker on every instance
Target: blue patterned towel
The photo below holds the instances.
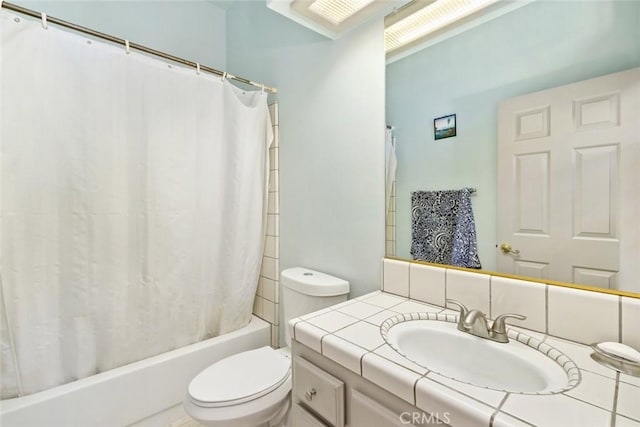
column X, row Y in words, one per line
column 442, row 228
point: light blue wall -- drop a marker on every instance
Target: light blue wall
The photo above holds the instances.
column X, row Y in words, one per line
column 331, row 96
column 541, row 45
column 194, row 30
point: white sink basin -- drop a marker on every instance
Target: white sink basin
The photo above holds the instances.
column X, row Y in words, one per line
column 514, row 367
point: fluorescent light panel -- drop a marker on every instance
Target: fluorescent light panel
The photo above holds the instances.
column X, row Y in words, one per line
column 337, row 11
column 429, row 19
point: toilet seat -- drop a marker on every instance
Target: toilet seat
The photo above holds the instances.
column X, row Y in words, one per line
column 248, row 414
column 240, row 378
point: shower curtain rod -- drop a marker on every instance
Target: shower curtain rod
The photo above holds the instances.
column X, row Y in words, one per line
column 117, row 40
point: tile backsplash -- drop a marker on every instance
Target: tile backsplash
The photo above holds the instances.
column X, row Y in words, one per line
column 630, row 318
column 574, row 314
column 395, row 277
column 471, row 289
column 522, row 297
column 267, row 299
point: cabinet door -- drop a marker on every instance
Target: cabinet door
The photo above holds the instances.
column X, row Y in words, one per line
column 321, row 392
column 366, row 412
column 303, row 418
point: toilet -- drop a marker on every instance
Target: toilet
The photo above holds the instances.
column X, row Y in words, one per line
column 253, row 388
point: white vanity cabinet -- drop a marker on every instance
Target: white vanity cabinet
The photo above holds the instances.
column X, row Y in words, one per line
column 327, row 394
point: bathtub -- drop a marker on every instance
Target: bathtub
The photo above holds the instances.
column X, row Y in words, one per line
column 142, row 394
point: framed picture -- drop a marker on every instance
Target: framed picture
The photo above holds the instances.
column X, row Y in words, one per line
column 444, row 127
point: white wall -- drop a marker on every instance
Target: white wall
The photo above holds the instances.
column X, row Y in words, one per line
column 331, row 96
column 194, row 30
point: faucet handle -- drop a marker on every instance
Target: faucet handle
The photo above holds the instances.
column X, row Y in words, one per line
column 499, row 327
column 463, row 310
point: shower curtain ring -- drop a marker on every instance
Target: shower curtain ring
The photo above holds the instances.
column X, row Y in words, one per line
column 224, row 76
column 197, row 68
column 127, row 48
column 43, row 16
column 262, row 88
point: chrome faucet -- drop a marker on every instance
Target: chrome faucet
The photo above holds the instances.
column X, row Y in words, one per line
column 475, row 322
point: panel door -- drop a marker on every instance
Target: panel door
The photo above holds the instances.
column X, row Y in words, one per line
column 569, row 181
column 303, row 418
column 366, row 412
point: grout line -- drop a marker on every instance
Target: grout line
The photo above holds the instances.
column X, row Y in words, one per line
column 597, row 373
column 377, row 348
column 338, row 330
column 409, row 284
column 546, row 309
column 491, row 298
column 329, row 332
column 339, row 310
column 503, row 400
column 614, row 408
column 394, row 294
column 497, row 411
column 544, row 339
column 380, row 310
column 445, row 288
column 620, row 325
column 628, row 382
column 564, row 393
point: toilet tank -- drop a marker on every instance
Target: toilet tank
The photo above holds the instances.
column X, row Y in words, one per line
column 305, row 291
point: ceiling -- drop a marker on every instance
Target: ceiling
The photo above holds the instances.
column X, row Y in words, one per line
column 426, row 21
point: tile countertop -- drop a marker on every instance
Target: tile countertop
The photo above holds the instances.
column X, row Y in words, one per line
column 349, row 334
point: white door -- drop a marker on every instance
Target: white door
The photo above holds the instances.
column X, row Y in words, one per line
column 569, row 182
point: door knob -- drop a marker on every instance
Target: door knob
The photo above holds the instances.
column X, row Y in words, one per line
column 507, row 249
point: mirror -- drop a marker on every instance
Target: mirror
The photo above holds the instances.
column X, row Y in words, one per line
column 538, row 46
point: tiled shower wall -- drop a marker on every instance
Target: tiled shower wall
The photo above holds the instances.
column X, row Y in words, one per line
column 390, row 240
column 266, row 303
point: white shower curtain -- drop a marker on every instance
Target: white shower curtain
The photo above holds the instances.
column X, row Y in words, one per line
column 132, row 205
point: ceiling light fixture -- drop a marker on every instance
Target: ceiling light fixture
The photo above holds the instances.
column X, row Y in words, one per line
column 337, row 11
column 429, row 19
column 333, row 18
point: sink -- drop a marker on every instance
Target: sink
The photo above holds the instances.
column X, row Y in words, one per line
column 524, row 365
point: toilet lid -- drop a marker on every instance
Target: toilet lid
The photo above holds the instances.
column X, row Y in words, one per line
column 240, row 378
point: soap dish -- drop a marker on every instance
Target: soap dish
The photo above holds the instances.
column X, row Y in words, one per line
column 612, row 355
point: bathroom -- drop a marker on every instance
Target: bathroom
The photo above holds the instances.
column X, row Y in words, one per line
column 334, row 97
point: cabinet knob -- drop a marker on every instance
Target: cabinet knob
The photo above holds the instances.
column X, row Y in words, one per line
column 310, row 393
